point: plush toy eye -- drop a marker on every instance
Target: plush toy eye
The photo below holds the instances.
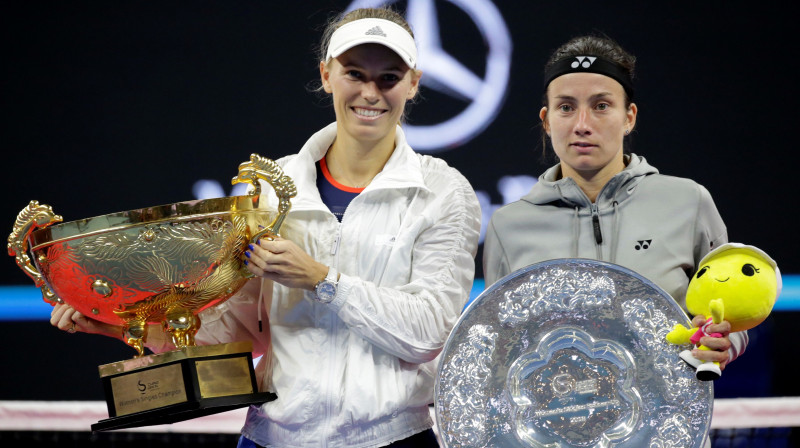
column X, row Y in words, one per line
column 702, row 271
column 749, row 270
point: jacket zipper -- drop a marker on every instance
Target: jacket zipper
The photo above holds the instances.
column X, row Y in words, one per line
column 328, row 393
column 598, row 235
column 337, row 238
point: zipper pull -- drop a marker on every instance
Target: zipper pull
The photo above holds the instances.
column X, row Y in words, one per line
column 598, row 235
column 335, row 245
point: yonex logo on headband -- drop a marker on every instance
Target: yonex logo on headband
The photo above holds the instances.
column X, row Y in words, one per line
column 583, row 61
column 375, row 31
column 590, row 64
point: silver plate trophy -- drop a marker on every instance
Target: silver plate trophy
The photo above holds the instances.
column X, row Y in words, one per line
column 570, row 353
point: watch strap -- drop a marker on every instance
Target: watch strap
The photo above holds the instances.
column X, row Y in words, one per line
column 325, row 289
column 333, row 275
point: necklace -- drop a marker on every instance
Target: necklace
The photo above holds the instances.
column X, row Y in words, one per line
column 366, row 183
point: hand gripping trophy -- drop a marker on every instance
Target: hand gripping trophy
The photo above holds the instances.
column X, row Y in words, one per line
column 161, row 264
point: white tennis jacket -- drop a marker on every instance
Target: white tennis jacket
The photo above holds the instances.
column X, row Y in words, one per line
column 359, row 371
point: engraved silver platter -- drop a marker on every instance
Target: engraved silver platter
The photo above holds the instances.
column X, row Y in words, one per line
column 570, row 353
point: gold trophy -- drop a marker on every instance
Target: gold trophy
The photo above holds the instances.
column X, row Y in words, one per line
column 160, row 265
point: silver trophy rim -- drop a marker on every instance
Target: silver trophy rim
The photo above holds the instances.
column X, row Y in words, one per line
column 521, row 272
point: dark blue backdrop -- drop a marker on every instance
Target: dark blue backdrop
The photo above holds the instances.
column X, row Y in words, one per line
column 109, row 106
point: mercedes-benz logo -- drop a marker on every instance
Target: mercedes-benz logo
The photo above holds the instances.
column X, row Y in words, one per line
column 447, row 75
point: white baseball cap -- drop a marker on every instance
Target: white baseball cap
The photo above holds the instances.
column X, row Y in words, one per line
column 374, row 31
column 760, row 253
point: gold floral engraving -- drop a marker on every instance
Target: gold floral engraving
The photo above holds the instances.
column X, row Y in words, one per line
column 162, row 264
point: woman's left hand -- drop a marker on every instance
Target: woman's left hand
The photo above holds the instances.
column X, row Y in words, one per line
column 718, row 347
column 283, row 261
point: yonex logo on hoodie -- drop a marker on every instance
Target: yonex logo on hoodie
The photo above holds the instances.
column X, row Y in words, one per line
column 643, row 244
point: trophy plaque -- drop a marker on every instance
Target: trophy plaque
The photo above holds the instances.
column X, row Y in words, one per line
column 570, row 353
column 159, row 265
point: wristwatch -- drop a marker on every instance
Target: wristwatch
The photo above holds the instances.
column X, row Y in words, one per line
column 326, row 288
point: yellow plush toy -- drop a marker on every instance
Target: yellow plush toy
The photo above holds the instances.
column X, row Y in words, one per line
column 735, row 282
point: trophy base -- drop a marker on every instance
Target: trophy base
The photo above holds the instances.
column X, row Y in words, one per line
column 179, row 385
column 182, row 412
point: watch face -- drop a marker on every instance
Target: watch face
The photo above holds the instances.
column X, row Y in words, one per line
column 326, row 291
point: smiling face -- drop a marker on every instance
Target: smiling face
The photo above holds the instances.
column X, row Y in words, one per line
column 370, row 85
column 586, row 118
column 744, row 281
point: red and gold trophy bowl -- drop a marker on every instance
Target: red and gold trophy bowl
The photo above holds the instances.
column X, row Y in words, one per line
column 159, row 265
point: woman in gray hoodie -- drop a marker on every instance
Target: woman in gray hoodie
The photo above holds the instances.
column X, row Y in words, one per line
column 601, row 203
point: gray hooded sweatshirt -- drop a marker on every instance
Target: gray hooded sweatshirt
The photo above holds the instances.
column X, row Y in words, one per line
column 658, row 226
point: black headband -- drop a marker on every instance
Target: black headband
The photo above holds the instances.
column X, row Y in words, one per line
column 589, row 64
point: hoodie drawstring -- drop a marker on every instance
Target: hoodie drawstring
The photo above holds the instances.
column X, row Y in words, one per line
column 614, row 233
column 576, row 233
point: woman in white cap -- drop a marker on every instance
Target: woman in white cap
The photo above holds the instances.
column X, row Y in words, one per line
column 599, row 202
column 380, row 264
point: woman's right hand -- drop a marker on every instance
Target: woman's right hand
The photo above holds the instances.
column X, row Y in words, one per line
column 67, row 318
column 716, row 340
column 283, row 261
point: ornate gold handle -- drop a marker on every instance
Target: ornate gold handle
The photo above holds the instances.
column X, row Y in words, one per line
column 31, row 218
column 262, row 168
